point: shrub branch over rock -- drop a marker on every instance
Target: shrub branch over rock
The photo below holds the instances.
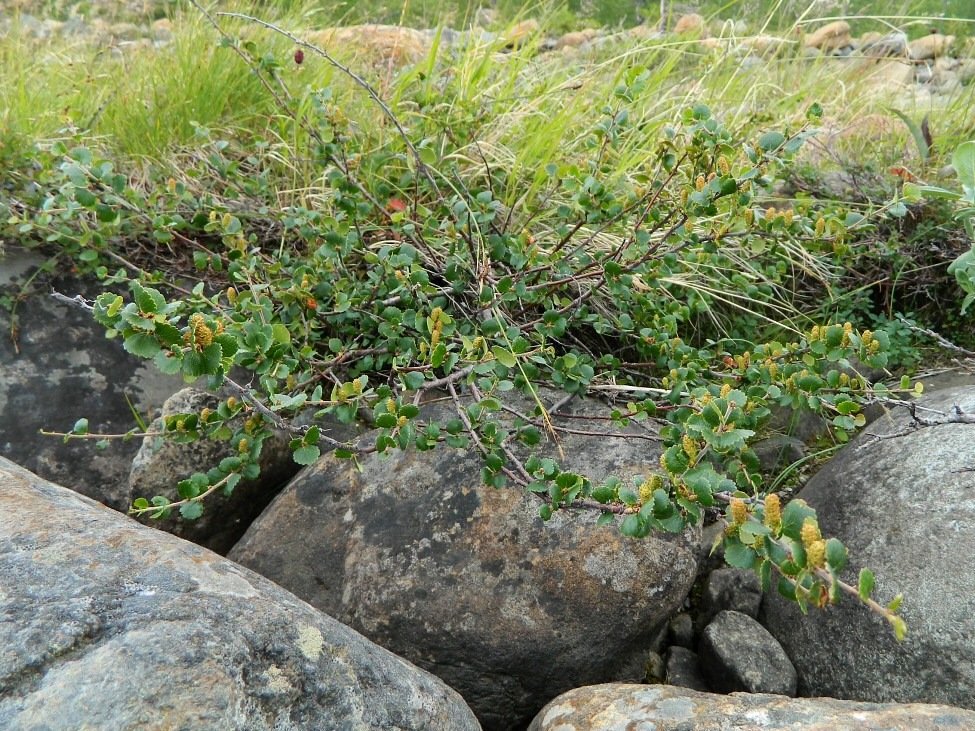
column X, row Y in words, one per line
column 412, row 278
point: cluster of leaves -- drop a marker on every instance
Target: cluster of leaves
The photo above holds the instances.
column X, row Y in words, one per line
column 422, row 282
column 963, row 268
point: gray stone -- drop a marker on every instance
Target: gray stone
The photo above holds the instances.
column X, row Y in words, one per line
column 161, row 463
column 892, row 44
column 803, row 425
column 738, row 590
column 681, row 630
column 113, row 625
column 615, row 707
column 61, row 367
column 655, row 668
column 778, row 452
column 905, row 507
column 684, row 669
column 739, row 654
column 467, row 581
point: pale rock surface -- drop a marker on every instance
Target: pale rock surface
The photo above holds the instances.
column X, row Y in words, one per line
column 830, row 37
column 621, row 707
column 691, row 24
column 391, row 44
column 109, row 624
column 905, row 507
column 930, row 46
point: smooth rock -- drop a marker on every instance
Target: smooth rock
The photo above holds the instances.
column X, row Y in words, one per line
column 112, row 625
column 467, row 581
column 519, row 33
column 763, row 45
column 391, row 44
column 930, row 46
column 966, row 70
column 619, row 707
column 905, row 507
column 878, row 45
column 691, row 24
column 739, row 654
column 830, row 37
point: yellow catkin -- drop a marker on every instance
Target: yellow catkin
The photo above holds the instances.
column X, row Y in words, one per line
column 723, row 165
column 646, row 492
column 390, row 406
column 700, row 182
column 202, row 335
column 773, row 511
column 739, row 511
column 816, row 554
column 749, row 216
column 770, row 214
column 789, row 217
column 725, row 390
column 809, row 532
column 689, row 446
column 683, row 197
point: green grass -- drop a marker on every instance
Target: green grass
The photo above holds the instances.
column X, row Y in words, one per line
column 503, row 115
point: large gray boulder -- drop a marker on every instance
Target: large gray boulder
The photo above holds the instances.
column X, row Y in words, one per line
column 109, row 624
column 466, row 581
column 614, row 707
column 905, row 507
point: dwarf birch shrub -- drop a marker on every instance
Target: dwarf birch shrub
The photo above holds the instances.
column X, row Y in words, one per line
column 405, row 275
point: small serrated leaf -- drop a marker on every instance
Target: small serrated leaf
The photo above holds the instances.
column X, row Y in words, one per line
column 142, row 344
column 866, row 583
column 308, row 454
column 191, row 511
